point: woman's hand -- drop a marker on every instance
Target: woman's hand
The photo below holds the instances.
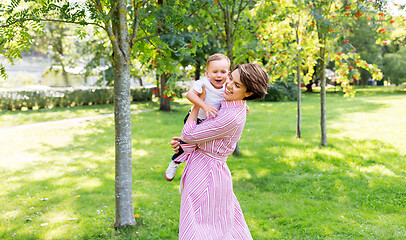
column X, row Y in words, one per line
column 175, row 144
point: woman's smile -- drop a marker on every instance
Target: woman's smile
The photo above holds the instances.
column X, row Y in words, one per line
column 226, row 91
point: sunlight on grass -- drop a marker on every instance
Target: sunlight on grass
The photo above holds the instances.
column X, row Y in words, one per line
column 140, row 152
column 44, row 174
column 84, row 182
column 288, row 160
column 262, row 172
column 385, row 124
column 57, row 181
column 241, row 174
column 12, row 118
column 11, row 214
column 377, row 169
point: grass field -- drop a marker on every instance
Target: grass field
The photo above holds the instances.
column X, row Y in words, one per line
column 57, row 180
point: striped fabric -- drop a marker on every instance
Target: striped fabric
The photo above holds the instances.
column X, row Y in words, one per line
column 209, row 209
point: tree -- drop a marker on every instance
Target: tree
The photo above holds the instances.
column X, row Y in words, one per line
column 126, row 25
column 394, row 66
column 227, row 22
column 57, row 41
column 227, row 18
column 15, row 34
column 285, row 44
column 332, row 17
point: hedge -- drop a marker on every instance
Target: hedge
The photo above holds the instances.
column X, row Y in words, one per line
column 65, row 97
column 281, row 91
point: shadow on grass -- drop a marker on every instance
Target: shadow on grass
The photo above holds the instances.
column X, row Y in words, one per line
column 288, row 188
column 353, row 189
column 70, row 193
column 11, row 118
column 293, row 188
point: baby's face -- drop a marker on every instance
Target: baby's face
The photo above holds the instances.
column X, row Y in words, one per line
column 217, row 72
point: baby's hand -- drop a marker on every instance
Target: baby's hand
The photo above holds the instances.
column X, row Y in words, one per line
column 210, row 110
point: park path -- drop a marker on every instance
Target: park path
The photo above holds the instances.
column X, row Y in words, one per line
column 69, row 121
column 20, row 144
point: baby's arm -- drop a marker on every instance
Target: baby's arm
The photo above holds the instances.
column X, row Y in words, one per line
column 193, row 96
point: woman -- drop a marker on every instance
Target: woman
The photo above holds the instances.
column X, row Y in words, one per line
column 209, row 208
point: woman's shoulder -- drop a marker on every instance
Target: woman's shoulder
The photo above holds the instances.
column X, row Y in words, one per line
column 234, row 111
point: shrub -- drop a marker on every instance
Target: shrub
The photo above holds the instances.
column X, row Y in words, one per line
column 281, row 91
column 65, row 97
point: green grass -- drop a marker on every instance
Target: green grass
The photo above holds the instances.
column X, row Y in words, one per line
column 366, row 90
column 57, row 181
column 12, row 118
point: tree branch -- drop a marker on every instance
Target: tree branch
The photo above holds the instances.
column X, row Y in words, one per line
column 49, row 20
column 240, row 9
column 232, row 9
column 221, row 5
column 149, row 38
column 108, row 28
column 122, row 23
column 136, row 23
column 222, row 8
column 165, row 31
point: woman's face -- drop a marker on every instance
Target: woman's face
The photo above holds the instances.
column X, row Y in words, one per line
column 234, row 89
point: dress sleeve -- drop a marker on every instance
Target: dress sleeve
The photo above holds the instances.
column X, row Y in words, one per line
column 222, row 126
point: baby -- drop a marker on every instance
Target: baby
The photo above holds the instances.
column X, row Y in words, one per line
column 217, row 71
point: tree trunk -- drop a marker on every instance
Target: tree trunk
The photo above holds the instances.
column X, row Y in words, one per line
column 123, row 166
column 165, row 104
column 165, row 100
column 237, row 150
column 64, row 74
column 197, row 71
column 140, row 81
column 158, row 88
column 299, row 105
column 122, row 119
column 228, row 26
column 299, row 89
column 323, row 98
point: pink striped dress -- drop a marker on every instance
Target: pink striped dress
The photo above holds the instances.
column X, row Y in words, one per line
column 209, row 208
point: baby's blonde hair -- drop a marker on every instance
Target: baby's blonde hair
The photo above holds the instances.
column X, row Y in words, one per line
column 216, row 57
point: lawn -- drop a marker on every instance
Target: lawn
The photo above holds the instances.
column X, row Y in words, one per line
column 57, row 180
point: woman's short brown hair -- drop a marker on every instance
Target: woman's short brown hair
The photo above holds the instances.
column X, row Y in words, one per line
column 255, row 80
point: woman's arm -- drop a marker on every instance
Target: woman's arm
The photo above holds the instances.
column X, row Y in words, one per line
column 224, row 125
column 193, row 114
column 194, row 97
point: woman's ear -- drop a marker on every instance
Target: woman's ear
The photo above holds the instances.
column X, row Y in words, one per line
column 247, row 94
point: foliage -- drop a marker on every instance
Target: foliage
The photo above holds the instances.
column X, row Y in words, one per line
column 15, row 34
column 281, row 91
column 363, row 38
column 394, row 66
column 277, row 35
column 230, row 22
column 62, row 97
column 60, row 187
